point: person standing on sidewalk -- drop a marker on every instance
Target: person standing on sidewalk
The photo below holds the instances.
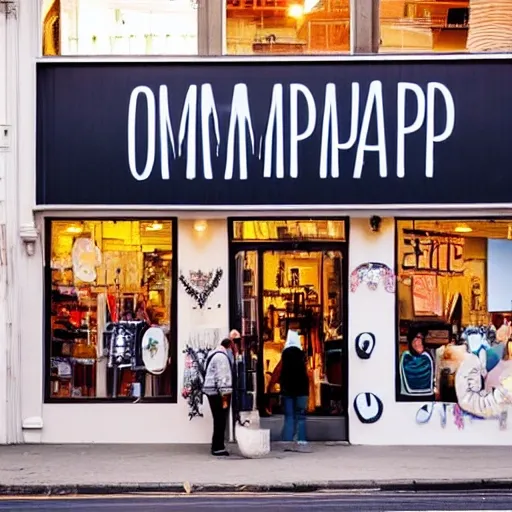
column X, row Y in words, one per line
column 294, row 384
column 218, row 387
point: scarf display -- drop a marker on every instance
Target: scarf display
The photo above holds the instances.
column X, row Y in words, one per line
column 193, row 379
column 199, row 345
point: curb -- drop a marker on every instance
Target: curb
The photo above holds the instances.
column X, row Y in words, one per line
column 305, row 487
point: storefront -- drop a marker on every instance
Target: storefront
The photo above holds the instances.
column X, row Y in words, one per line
column 357, row 201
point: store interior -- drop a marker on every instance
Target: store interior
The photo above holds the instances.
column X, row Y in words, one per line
column 109, row 309
column 120, row 27
column 301, row 290
column 453, row 287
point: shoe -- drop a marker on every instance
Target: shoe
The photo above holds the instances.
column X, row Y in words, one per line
column 220, row 453
column 288, row 447
column 303, row 447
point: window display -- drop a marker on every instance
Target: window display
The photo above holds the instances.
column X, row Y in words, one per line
column 455, row 317
column 114, row 27
column 287, row 26
column 109, row 325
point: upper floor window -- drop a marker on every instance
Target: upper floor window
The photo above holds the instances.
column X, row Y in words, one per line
column 287, row 26
column 120, row 27
column 445, row 26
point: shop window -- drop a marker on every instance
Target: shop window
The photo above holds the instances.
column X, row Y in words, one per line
column 455, row 313
column 110, row 27
column 448, row 26
column 297, row 27
column 275, row 230
column 110, row 297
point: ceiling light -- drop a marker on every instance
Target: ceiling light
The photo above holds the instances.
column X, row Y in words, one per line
column 200, row 226
column 295, row 11
column 74, row 229
column 156, row 226
column 463, row 228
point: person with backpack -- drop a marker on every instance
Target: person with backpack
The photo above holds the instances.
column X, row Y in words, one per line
column 218, row 387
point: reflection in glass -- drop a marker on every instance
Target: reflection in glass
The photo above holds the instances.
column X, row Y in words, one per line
column 287, row 26
column 302, row 291
column 246, row 272
column 110, row 301
column 109, row 27
column 445, row 26
column 274, row 230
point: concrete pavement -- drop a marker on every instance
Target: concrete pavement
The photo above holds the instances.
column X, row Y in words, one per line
column 106, row 469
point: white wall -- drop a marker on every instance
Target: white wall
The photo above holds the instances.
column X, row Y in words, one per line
column 152, row 423
column 20, row 306
column 374, row 311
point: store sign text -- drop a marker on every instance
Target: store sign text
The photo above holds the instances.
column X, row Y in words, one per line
column 200, row 118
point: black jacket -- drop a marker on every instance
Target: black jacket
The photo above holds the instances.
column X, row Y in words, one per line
column 294, row 379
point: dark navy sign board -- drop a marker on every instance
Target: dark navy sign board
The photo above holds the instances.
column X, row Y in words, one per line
column 314, row 133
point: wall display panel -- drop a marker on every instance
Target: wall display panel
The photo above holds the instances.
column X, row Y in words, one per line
column 120, row 27
column 110, row 302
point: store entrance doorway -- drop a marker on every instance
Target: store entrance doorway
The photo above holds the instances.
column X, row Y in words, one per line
column 292, row 286
column 302, row 292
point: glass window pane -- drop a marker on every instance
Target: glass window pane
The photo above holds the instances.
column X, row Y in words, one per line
column 110, row 309
column 246, row 322
column 454, row 278
column 295, row 27
column 445, row 26
column 273, row 230
column 113, row 27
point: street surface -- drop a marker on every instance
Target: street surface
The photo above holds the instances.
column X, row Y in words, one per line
column 363, row 501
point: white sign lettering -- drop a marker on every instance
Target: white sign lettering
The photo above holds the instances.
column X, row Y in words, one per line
column 294, row 118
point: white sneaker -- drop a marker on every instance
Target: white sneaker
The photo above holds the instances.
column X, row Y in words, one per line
column 303, row 447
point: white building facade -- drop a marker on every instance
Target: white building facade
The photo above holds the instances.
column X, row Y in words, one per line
column 150, row 204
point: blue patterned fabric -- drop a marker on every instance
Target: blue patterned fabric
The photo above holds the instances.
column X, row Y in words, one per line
column 417, row 374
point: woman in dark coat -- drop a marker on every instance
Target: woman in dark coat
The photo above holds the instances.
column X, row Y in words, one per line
column 294, row 383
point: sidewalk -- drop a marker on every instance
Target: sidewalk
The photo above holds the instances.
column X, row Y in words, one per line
column 104, row 469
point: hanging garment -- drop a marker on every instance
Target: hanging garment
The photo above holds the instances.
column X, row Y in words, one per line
column 86, row 256
column 193, row 379
column 417, row 374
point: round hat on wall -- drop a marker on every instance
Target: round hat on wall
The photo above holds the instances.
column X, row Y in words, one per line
column 368, row 407
column 365, row 343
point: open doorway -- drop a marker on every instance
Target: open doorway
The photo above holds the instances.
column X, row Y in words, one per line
column 282, row 283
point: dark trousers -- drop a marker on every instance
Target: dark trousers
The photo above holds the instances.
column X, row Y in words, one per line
column 220, row 419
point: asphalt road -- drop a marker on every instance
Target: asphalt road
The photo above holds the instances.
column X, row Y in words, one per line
column 364, row 501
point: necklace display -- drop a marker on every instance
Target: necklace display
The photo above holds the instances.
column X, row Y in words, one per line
column 201, row 285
